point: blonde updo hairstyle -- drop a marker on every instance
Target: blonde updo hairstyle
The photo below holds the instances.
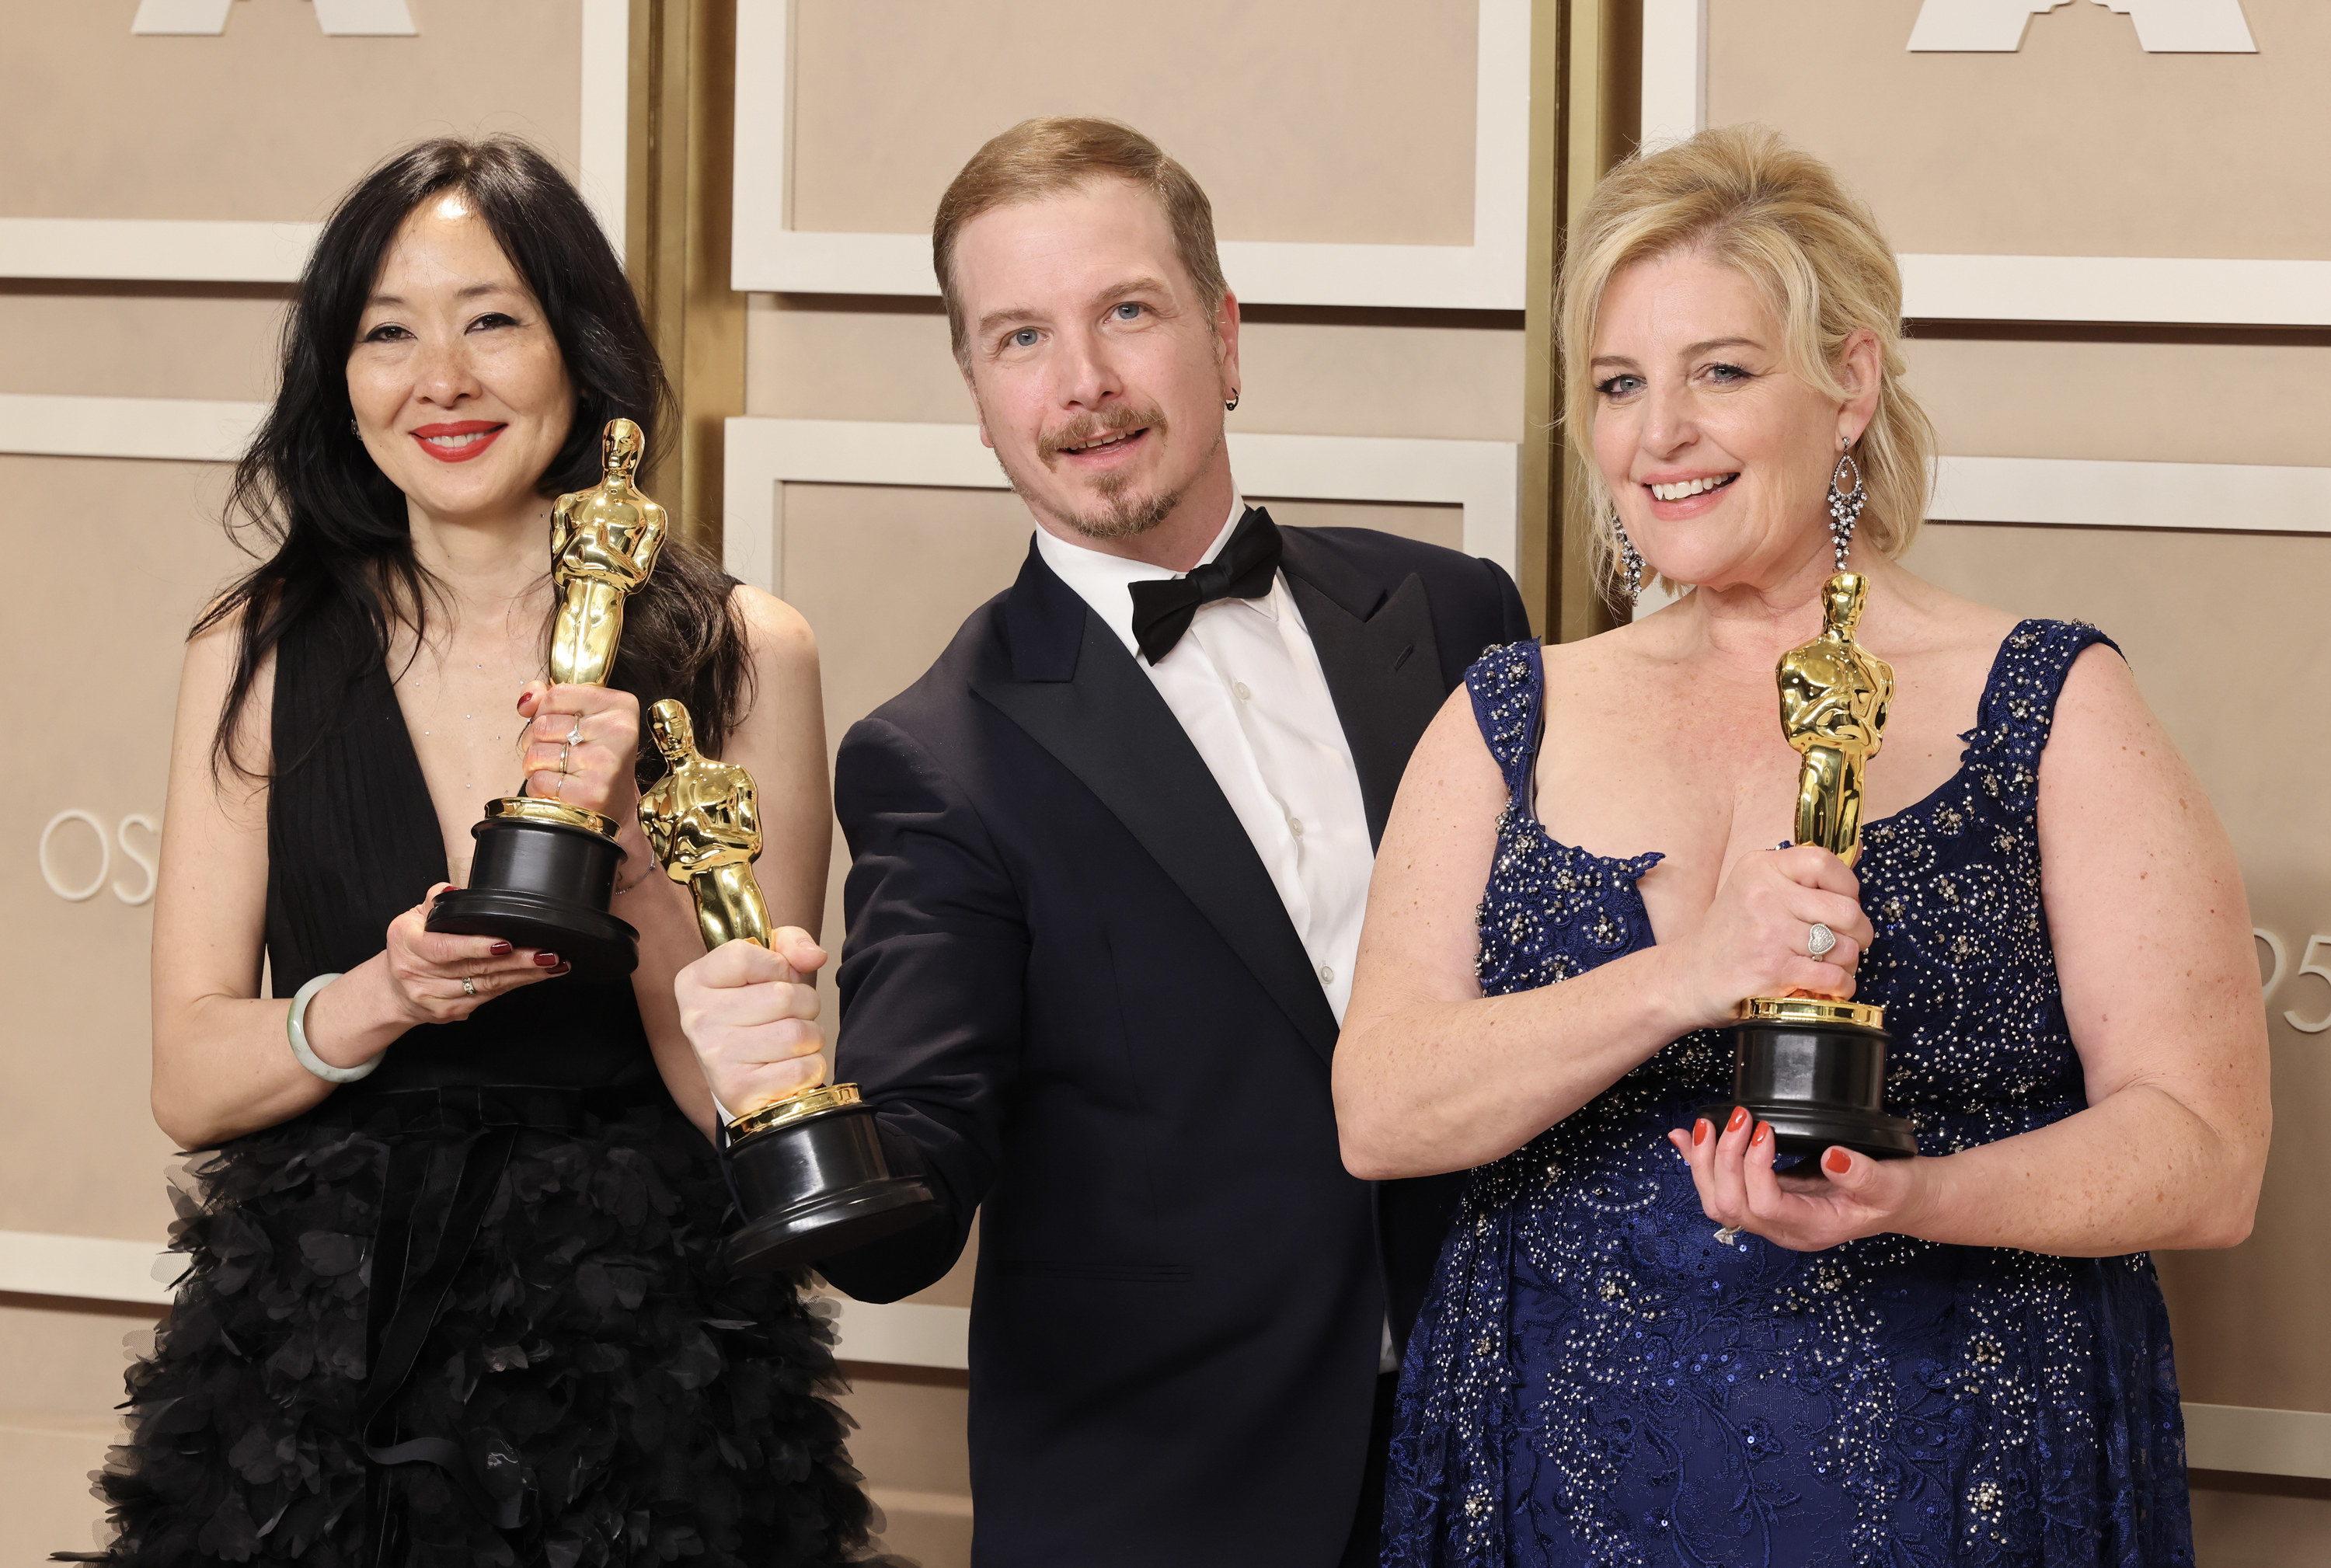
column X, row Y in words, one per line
column 1743, row 197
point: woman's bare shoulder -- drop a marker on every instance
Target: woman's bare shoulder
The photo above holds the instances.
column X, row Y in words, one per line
column 1623, row 643
column 1945, row 622
column 237, row 771
column 1608, row 660
column 2103, row 723
column 775, row 628
column 214, row 655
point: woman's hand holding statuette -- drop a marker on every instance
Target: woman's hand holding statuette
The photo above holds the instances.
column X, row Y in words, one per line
column 583, row 747
column 1841, row 1198
column 1753, row 941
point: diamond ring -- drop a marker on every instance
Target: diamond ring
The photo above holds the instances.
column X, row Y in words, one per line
column 1730, row 1235
column 1820, row 939
column 469, row 985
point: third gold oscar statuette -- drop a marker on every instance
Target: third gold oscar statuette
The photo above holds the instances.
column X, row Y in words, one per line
column 1815, row 1067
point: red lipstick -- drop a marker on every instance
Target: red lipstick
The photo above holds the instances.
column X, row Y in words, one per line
column 483, row 431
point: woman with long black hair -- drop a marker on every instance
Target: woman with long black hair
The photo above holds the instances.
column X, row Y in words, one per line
column 451, row 1294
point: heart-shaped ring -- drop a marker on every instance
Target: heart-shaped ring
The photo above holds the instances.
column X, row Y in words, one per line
column 1820, row 939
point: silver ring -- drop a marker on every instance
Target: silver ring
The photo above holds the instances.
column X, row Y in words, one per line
column 1728, row 1235
column 574, row 734
column 469, row 985
column 1820, row 939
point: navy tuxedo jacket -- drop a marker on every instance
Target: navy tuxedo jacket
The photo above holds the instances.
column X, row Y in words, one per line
column 1072, row 990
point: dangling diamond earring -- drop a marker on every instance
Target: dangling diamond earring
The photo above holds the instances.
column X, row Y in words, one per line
column 1845, row 507
column 1630, row 560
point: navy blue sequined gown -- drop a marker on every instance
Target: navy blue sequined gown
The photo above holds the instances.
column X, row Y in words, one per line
column 1595, row 1380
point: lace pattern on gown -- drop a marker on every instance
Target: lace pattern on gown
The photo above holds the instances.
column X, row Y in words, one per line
column 1595, row 1380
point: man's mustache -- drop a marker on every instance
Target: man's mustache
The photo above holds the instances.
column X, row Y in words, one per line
column 1092, row 426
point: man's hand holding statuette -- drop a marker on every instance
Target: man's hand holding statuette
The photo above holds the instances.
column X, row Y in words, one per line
column 751, row 1013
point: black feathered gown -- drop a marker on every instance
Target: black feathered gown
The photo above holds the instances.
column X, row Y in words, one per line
column 468, row 1310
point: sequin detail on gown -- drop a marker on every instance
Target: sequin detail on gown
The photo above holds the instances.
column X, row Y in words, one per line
column 1595, row 1380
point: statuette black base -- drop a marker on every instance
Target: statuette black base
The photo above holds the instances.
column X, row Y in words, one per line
column 816, row 1187
column 1818, row 1084
column 545, row 885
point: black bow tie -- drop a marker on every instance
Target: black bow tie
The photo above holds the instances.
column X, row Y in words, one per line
column 1162, row 610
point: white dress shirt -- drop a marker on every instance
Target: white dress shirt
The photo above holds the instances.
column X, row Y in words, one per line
column 1246, row 684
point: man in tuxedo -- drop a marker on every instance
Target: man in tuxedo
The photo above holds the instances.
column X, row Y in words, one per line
column 1110, row 858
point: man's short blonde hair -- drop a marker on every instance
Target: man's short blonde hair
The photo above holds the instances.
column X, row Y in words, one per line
column 1055, row 154
column 1744, row 198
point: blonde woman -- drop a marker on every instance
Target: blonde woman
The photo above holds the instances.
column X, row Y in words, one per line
column 1646, row 1341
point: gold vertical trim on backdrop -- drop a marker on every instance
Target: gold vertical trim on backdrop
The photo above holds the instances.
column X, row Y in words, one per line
column 1539, row 579
column 682, row 137
column 1585, row 104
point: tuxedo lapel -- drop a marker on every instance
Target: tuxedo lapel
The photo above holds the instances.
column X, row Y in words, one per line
column 1078, row 693
column 1381, row 663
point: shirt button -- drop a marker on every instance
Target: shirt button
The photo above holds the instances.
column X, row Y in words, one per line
column 1327, row 975
column 1295, row 826
column 1240, row 687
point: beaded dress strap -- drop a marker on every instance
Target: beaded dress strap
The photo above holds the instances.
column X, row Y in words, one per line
column 2019, row 703
column 1507, row 686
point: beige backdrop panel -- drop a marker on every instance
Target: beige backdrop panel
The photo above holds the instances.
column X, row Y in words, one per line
column 2080, row 144
column 89, row 339
column 2191, row 402
column 61, row 1363
column 115, row 559
column 1319, row 121
column 2224, row 634
column 108, row 592
column 270, row 121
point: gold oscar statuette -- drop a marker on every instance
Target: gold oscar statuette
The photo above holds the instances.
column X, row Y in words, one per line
column 1815, row 1067
column 810, row 1170
column 603, row 543
column 704, row 824
column 545, row 871
column 1835, row 694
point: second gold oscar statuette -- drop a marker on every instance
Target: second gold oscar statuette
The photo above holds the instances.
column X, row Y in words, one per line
column 810, row 1170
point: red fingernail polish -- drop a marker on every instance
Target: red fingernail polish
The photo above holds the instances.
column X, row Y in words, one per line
column 562, row 969
column 500, row 949
column 1740, row 1119
column 1700, row 1130
column 1838, row 1161
column 1763, row 1134
column 547, row 960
